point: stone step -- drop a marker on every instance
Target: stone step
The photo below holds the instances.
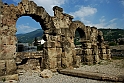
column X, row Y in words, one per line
column 91, row 75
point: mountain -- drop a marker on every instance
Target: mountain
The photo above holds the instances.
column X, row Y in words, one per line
column 108, row 34
column 112, row 34
column 29, row 37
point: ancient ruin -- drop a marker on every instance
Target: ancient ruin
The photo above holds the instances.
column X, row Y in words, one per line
column 59, row 50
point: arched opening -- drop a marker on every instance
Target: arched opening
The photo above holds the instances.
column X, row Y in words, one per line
column 79, row 37
column 30, row 40
column 79, row 40
column 29, row 35
column 99, row 40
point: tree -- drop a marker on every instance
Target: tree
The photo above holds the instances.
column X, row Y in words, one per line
column 35, row 41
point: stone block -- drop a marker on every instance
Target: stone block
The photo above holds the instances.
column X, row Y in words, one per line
column 97, row 58
column 10, row 67
column 2, row 67
column 32, row 7
column 50, row 44
column 67, row 59
column 10, row 77
column 88, row 51
column 58, row 31
column 89, row 59
column 46, row 73
column 44, row 15
column 104, row 56
column 78, row 51
column 52, row 57
column 39, row 10
column 8, row 52
column 77, row 61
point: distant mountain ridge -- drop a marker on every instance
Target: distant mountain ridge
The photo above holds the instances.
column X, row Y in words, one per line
column 108, row 34
column 29, row 37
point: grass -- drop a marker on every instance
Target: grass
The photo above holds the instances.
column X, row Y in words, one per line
column 3, row 79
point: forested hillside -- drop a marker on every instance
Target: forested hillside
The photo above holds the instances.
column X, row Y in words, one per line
column 112, row 34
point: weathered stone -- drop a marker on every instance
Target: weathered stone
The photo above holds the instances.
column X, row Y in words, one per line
column 2, row 67
column 59, row 50
column 10, row 77
column 10, row 67
column 78, row 62
column 46, row 73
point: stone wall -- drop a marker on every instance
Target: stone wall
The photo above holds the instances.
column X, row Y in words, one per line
column 59, row 32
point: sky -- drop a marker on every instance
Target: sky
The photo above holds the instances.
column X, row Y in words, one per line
column 98, row 13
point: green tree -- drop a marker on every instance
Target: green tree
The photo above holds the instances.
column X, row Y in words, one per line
column 35, row 41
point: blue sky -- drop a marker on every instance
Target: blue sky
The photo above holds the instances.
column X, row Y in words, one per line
column 98, row 13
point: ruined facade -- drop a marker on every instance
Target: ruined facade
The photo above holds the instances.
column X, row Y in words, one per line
column 59, row 32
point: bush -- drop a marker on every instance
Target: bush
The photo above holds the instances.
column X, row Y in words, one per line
column 112, row 44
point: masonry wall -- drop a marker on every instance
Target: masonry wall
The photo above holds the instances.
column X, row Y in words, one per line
column 59, row 32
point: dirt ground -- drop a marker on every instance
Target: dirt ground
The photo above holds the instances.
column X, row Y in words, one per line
column 109, row 67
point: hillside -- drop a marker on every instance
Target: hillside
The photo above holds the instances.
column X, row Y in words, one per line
column 108, row 34
column 112, row 34
column 29, row 37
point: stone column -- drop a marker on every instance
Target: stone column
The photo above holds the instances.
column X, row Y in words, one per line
column 87, row 52
column 7, row 43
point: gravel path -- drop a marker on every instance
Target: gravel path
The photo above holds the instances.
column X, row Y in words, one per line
column 113, row 68
column 57, row 78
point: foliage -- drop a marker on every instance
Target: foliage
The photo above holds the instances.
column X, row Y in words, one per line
column 112, row 44
column 40, row 47
column 35, row 41
column 112, row 34
column 3, row 79
column 77, row 38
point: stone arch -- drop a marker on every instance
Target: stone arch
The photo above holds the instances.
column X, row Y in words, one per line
column 38, row 13
column 10, row 15
column 77, row 25
column 81, row 33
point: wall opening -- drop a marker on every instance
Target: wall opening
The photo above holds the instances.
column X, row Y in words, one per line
column 79, row 37
column 99, row 39
column 29, row 34
column 78, row 41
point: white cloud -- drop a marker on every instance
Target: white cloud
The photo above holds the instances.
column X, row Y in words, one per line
column 88, row 12
column 102, row 19
column 104, row 24
column 114, row 19
column 24, row 29
column 84, row 12
column 49, row 4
